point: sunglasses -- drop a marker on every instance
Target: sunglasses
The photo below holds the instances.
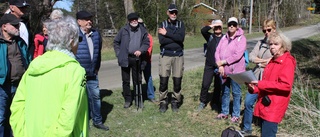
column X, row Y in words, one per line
column 217, row 27
column 265, row 30
column 234, row 24
column 173, row 12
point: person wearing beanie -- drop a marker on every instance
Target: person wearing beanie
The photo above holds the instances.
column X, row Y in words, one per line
column 131, row 45
column 210, row 68
column 89, row 57
column 171, row 37
column 230, row 59
column 14, row 61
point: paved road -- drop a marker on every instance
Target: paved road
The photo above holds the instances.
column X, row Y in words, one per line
column 110, row 73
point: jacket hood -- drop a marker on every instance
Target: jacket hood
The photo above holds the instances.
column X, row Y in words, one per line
column 49, row 61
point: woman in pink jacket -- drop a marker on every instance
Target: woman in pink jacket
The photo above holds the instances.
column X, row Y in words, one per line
column 274, row 90
column 230, row 60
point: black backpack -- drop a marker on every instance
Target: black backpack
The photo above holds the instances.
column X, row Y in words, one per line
column 231, row 132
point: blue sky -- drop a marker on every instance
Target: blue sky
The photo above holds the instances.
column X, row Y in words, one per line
column 64, row 4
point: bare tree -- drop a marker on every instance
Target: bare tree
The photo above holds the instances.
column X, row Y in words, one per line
column 128, row 6
column 274, row 9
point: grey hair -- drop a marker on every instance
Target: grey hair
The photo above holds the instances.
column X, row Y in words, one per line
column 56, row 14
column 61, row 33
column 281, row 38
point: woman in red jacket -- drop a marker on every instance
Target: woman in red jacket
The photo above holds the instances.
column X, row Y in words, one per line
column 40, row 42
column 274, row 89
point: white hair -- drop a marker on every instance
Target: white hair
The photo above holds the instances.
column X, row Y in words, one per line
column 56, row 14
column 61, row 33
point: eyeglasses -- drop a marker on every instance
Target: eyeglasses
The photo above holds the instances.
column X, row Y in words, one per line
column 173, row 12
column 265, row 30
column 133, row 20
column 217, row 27
column 234, row 24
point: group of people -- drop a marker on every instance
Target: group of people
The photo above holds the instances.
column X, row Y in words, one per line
column 67, row 59
column 274, row 69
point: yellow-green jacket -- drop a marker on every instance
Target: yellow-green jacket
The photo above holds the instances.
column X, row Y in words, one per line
column 51, row 100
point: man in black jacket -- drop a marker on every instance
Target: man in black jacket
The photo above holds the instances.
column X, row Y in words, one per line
column 131, row 43
column 211, row 69
column 171, row 37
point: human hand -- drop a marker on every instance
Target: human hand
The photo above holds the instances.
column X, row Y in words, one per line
column 162, row 31
column 221, row 71
column 137, row 53
column 251, row 86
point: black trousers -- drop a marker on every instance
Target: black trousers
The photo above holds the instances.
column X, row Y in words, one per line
column 207, row 78
column 125, row 74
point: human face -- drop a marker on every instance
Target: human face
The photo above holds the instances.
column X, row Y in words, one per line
column 267, row 31
column 12, row 30
column 44, row 30
column 133, row 22
column 232, row 27
column 217, row 29
column 18, row 11
column 172, row 14
column 276, row 48
column 85, row 24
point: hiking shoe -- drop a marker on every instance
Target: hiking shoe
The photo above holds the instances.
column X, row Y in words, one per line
column 175, row 106
column 235, row 119
column 201, row 106
column 127, row 105
column 101, row 126
column 163, row 107
column 246, row 132
column 222, row 116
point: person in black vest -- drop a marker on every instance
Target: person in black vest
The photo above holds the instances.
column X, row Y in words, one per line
column 130, row 44
column 89, row 57
column 171, row 37
column 210, row 68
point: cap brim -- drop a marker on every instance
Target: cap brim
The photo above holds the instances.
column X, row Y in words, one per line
column 15, row 22
column 23, row 5
column 172, row 9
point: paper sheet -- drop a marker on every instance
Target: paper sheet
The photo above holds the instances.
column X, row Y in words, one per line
column 243, row 77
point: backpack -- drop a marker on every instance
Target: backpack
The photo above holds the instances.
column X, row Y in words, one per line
column 231, row 132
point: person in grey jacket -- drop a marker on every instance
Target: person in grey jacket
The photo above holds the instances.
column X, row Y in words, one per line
column 130, row 44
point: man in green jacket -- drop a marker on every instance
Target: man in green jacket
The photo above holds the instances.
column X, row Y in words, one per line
column 14, row 60
column 51, row 100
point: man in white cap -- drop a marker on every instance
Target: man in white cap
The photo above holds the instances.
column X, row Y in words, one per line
column 210, row 69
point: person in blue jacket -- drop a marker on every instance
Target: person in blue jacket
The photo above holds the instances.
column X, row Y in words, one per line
column 89, row 57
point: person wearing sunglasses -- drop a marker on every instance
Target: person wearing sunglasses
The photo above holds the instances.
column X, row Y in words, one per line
column 210, row 68
column 171, row 37
column 275, row 87
column 230, row 59
column 260, row 56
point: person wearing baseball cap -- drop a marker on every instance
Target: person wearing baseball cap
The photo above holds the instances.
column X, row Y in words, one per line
column 19, row 8
column 210, row 69
column 171, row 34
column 14, row 61
column 230, row 59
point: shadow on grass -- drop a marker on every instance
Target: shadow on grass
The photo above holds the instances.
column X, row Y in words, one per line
column 106, row 108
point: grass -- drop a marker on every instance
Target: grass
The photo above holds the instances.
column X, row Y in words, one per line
column 301, row 118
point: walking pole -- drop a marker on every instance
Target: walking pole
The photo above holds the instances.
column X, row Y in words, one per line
column 139, row 98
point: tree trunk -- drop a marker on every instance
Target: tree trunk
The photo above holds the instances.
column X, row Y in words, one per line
column 110, row 16
column 128, row 6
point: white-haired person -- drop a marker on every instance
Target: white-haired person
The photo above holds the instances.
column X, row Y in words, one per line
column 274, row 89
column 210, row 68
column 56, row 14
column 51, row 99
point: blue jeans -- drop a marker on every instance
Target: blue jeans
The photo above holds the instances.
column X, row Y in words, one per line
column 149, row 82
column 236, row 93
column 94, row 100
column 268, row 129
column 248, row 110
column 7, row 91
